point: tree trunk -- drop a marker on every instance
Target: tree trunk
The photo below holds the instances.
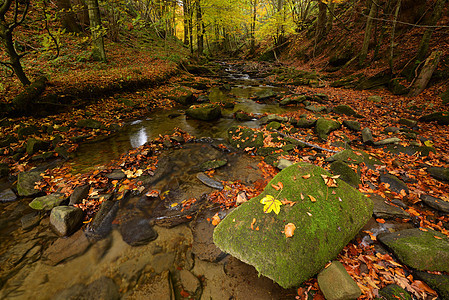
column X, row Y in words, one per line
column 396, row 14
column 426, row 73
column 6, row 37
column 253, row 28
column 199, row 29
column 95, row 26
column 330, row 20
column 185, row 10
column 368, row 33
column 321, row 22
column 68, row 19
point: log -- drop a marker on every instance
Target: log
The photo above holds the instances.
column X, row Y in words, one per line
column 24, row 100
column 424, row 76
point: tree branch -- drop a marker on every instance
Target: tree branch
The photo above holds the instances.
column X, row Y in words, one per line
column 305, row 143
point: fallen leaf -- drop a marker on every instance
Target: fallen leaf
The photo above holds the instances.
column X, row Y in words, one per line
column 241, row 198
column 289, row 230
column 312, row 198
column 216, row 219
column 330, row 180
column 271, row 204
column 252, row 223
column 381, row 221
column 288, row 202
column 278, row 187
column 152, row 194
column 307, row 176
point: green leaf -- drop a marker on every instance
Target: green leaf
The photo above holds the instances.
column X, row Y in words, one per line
column 271, row 204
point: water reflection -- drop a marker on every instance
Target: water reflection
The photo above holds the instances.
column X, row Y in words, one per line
column 139, row 138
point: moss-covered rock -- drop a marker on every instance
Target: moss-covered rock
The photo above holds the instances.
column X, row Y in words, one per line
column 353, row 125
column 325, row 126
column 445, row 97
column 89, row 123
column 346, row 110
column 304, row 123
column 274, row 125
column 182, row 95
column 4, row 170
column 26, row 182
column 337, row 284
column 315, row 108
column 346, row 173
column 379, row 80
column 440, row 173
column 323, row 227
column 265, row 94
column 346, row 82
column 47, row 202
column 205, row 112
column 241, row 115
column 394, row 292
column 348, row 156
column 23, row 132
column 35, row 145
column 397, row 88
column 441, row 118
column 243, row 137
column 421, row 250
column 293, row 100
column 440, row 283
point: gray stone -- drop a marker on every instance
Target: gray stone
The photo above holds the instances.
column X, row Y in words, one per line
column 270, row 118
column 204, row 112
column 79, row 193
column 387, row 141
column 336, row 284
column 408, row 122
column 435, row 203
column 394, row 292
column 101, row 225
column 116, row 175
column 367, row 136
column 7, row 196
column 47, row 202
column 353, row 125
column 189, row 282
column 284, row 163
column 89, row 123
column 64, row 249
column 26, row 182
column 325, row 126
column 348, row 156
column 137, row 232
column 396, row 185
column 384, row 210
column 203, row 246
column 391, row 129
column 209, row 181
column 305, row 123
column 65, row 219
column 439, row 173
column 421, row 250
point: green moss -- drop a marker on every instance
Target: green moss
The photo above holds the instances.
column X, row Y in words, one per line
column 346, row 173
column 323, row 227
column 243, row 137
column 394, row 292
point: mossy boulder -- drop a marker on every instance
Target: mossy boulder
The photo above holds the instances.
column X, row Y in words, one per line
column 323, row 227
column 243, row 137
column 353, row 125
column 241, row 115
column 325, row 126
column 346, row 110
column 274, row 125
column 346, row 173
column 293, row 100
column 394, row 292
column 440, row 283
column 265, row 94
column 4, row 170
column 304, row 123
column 182, row 95
column 421, row 250
column 440, row 173
column 34, row 145
column 204, row 112
column 445, row 97
column 23, row 132
column 47, row 202
column 397, row 88
column 212, row 164
column 26, row 182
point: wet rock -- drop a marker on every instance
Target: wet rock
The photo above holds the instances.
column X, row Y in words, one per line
column 346, row 110
column 325, row 126
column 103, row 288
column 384, row 210
column 65, row 219
column 419, row 249
column 159, row 287
column 396, row 185
column 270, row 118
column 304, row 123
column 353, row 125
column 367, row 136
column 315, row 108
column 387, row 141
column 30, row 220
column 346, row 173
column 241, row 115
column 243, row 137
column 7, row 196
column 284, row 163
column 189, row 282
column 79, row 193
column 439, row 173
column 47, row 202
column 212, row 164
column 320, row 97
column 203, row 246
column 440, row 283
column 441, row 118
column 317, row 239
column 264, row 94
column 273, row 125
column 23, row 132
column 336, row 284
column 89, row 123
column 101, row 225
column 209, row 181
column 394, row 292
column 137, row 232
column 26, row 182
column 435, row 203
column 8, row 140
column 204, row 112
column 64, row 249
column 408, row 122
column 116, row 175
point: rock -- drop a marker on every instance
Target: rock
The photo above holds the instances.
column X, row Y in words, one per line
column 336, row 284
column 264, row 94
column 378, row 80
column 101, row 225
column 396, row 185
column 397, row 88
column 408, row 122
column 203, row 246
column 353, row 125
column 284, row 163
column 315, row 108
column 4, row 170
column 441, row 118
column 34, row 145
column 47, row 202
column 384, row 210
column 304, row 123
column 26, row 182
column 30, row 220
column 387, row 141
column 89, row 123
column 419, row 249
column 270, row 118
column 391, row 129
column 243, row 137
column 64, row 249
column 23, row 132
column 79, row 193
column 240, row 115
column 212, row 164
column 440, row 173
column 183, row 96
column 346, row 173
column 346, row 110
column 159, row 287
column 347, row 156
column 273, row 126
column 367, row 136
column 65, row 219
column 8, row 140
column 137, row 232
column 204, row 112
column 103, row 288
column 333, row 221
column 209, row 181
column 62, row 152
column 325, row 126
column 320, row 97
column 394, row 292
column 435, row 203
column 116, row 175
column 189, row 282
column 293, row 100
column 439, row 283
column 7, row 196
column 377, row 99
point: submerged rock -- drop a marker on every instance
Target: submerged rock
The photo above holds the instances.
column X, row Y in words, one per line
column 325, row 223
column 102, row 288
column 64, row 249
column 137, row 232
column 213, row 164
column 101, row 225
column 204, row 112
column 265, row 94
column 7, row 196
column 336, row 284
column 209, row 181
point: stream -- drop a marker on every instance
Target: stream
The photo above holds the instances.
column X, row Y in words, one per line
column 178, row 259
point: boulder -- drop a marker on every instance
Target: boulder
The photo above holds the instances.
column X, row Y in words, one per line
column 346, row 173
column 315, row 108
column 273, row 125
column 353, row 125
column 346, row 110
column 384, row 209
column 65, row 219
column 79, row 193
column 116, row 175
column 270, row 118
column 435, row 203
column 408, row 122
column 348, row 156
column 305, row 123
column 243, row 137
column 4, row 170
column 241, row 115
column 325, row 126
column 284, row 163
column 264, row 94
column 422, row 250
column 394, row 292
column 137, row 232
column 293, row 100
column 367, row 136
column 34, row 145
column 204, row 112
column 101, row 225
column 325, row 223
column 7, row 196
column 26, row 182
column 183, row 96
column 440, row 173
column 388, row 141
column 64, row 249
column 47, row 202
column 89, row 123
column 23, row 132
column 336, row 284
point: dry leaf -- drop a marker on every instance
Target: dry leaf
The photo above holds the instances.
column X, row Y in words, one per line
column 252, row 223
column 288, row 202
column 241, row 198
column 289, row 230
column 330, row 180
column 312, row 198
column 307, row 176
column 216, row 219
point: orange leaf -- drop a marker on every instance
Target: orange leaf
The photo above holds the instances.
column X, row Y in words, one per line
column 312, row 198
column 215, row 219
column 252, row 223
column 437, row 237
column 289, row 230
column 307, row 176
column 381, row 221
